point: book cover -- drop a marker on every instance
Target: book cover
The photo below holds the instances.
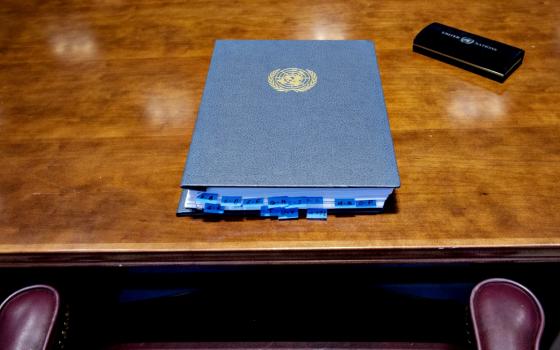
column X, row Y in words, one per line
column 292, row 114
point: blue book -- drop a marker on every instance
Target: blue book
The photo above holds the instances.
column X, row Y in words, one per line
column 291, row 115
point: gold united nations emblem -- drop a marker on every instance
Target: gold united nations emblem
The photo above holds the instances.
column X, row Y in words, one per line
column 292, row 79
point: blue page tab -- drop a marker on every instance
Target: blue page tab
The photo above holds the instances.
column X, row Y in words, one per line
column 275, row 211
column 368, row 203
column 253, row 203
column 232, row 201
column 289, row 213
column 213, row 208
column 277, row 202
column 317, row 214
column 344, row 203
column 297, row 202
column 206, row 197
column 314, row 201
column 265, row 211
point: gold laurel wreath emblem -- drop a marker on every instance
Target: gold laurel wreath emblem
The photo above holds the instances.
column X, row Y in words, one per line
column 292, row 79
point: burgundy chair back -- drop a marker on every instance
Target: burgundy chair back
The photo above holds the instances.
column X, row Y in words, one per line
column 27, row 318
column 506, row 316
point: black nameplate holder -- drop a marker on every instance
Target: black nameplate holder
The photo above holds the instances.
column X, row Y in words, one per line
column 477, row 54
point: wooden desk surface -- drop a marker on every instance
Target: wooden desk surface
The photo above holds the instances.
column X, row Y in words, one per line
column 98, row 101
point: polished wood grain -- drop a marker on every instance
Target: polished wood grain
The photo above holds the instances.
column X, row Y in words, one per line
column 98, row 100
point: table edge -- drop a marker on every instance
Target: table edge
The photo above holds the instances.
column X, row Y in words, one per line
column 284, row 257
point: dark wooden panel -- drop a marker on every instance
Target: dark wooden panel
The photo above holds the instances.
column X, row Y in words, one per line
column 283, row 346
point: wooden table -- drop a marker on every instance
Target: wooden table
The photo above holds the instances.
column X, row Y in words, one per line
column 98, row 101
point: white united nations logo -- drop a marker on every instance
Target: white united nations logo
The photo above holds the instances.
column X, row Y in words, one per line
column 292, row 79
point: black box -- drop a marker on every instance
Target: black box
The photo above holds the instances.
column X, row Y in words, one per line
column 474, row 53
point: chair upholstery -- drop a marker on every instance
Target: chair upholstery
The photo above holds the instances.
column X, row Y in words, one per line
column 27, row 318
column 506, row 316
